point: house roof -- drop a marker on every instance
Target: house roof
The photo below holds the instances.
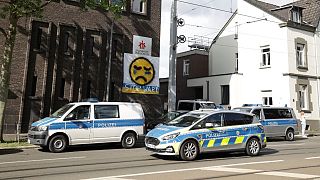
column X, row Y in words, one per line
column 310, row 13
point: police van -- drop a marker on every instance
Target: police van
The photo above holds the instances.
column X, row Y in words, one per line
column 205, row 131
column 277, row 121
column 88, row 123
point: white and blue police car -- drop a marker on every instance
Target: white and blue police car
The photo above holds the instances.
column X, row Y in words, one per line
column 88, row 123
column 205, row 131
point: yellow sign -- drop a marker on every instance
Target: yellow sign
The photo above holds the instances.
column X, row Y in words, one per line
column 141, row 71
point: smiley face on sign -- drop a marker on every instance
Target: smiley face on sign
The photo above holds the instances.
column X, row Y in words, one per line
column 141, row 71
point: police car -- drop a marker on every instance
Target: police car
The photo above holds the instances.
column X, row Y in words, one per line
column 277, row 121
column 207, row 130
column 88, row 123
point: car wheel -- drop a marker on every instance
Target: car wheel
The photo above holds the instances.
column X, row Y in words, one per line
column 289, row 135
column 189, row 150
column 57, row 144
column 253, row 147
column 128, row 140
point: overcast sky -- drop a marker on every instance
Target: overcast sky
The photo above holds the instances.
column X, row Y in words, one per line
column 199, row 21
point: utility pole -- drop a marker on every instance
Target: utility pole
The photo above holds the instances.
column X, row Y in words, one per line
column 172, row 59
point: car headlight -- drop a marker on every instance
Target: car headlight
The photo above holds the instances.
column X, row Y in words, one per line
column 42, row 128
column 170, row 136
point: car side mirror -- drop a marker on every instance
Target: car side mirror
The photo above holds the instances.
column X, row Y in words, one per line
column 70, row 117
column 209, row 125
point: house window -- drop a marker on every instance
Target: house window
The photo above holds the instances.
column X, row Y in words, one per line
column 38, row 40
column 265, row 62
column 301, row 60
column 139, row 6
column 237, row 63
column 267, row 101
column 186, row 66
column 225, row 95
column 303, row 97
column 296, row 15
column 62, row 86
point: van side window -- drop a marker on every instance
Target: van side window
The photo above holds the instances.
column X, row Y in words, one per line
column 233, row 119
column 106, row 111
column 257, row 112
column 79, row 113
column 186, row 106
column 277, row 113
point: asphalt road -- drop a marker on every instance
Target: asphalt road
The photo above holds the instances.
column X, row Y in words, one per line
column 280, row 160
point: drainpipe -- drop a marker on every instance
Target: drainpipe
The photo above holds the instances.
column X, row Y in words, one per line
column 317, row 70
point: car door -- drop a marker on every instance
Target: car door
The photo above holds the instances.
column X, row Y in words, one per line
column 79, row 125
column 237, row 129
column 107, row 123
column 213, row 132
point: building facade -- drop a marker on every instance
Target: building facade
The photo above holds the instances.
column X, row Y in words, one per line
column 268, row 54
column 62, row 58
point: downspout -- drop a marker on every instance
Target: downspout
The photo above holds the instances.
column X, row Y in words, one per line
column 317, row 70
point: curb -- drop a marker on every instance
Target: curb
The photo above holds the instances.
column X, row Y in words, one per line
column 18, row 147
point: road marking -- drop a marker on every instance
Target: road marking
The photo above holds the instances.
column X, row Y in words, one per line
column 180, row 170
column 285, row 174
column 313, row 158
column 39, row 160
column 286, row 145
column 236, row 170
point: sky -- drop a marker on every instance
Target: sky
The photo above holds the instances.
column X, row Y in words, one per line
column 200, row 22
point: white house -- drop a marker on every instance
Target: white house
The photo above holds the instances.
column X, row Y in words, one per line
column 267, row 54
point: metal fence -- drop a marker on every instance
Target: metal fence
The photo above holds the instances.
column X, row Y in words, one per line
column 12, row 131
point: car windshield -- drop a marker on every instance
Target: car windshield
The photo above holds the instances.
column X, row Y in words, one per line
column 169, row 116
column 60, row 112
column 186, row 120
column 248, row 110
column 208, row 105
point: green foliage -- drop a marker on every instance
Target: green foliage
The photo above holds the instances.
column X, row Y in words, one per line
column 114, row 6
column 20, row 8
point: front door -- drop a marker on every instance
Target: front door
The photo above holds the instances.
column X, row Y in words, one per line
column 79, row 125
column 214, row 133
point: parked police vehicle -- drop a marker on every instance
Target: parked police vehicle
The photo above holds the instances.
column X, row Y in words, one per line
column 190, row 105
column 87, row 123
column 277, row 121
column 205, row 131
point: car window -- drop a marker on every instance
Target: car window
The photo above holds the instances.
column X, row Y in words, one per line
column 79, row 113
column 233, row 119
column 277, row 113
column 185, row 120
column 257, row 112
column 106, row 111
column 185, row 106
column 198, row 106
column 208, row 105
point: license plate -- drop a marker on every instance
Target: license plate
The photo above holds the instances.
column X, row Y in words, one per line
column 151, row 146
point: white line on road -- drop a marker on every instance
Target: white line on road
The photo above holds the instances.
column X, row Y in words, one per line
column 39, row 160
column 180, row 170
column 301, row 144
column 236, row 170
column 313, row 158
column 291, row 175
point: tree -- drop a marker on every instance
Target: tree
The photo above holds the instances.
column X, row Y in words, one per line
column 13, row 10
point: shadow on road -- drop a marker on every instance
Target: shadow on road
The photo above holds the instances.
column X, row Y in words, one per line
column 220, row 154
column 10, row 151
column 98, row 146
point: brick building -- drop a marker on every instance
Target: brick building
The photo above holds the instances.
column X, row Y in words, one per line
column 62, row 58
